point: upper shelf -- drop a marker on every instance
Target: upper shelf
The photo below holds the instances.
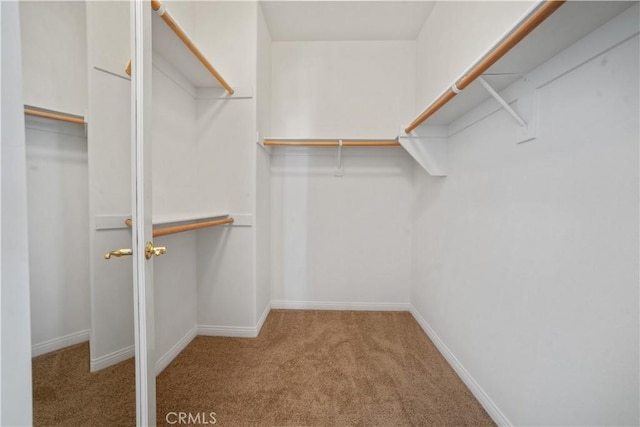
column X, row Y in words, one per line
column 171, row 42
column 560, row 29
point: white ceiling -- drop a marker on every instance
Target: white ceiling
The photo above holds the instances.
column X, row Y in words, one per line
column 345, row 20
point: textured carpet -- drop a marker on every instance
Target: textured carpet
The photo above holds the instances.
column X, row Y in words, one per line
column 65, row 393
column 328, row 368
column 322, row 368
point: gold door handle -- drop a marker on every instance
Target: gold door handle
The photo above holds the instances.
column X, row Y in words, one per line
column 118, row 253
column 151, row 250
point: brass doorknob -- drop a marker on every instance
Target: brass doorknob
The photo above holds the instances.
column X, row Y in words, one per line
column 118, row 253
column 151, row 250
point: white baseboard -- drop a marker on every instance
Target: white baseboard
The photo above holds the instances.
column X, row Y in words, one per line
column 112, row 358
column 265, row 313
column 58, row 343
column 235, row 331
column 174, row 351
column 326, row 305
column 492, row 409
column 227, row 331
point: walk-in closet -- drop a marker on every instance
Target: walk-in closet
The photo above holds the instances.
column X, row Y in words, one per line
column 320, row 213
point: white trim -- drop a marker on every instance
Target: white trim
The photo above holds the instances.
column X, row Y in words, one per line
column 60, row 342
column 141, row 115
column 330, row 305
column 235, row 331
column 112, row 358
column 489, row 405
column 227, row 331
column 174, row 351
column 262, row 319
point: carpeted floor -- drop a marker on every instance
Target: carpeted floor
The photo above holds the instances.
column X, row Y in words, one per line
column 65, row 393
column 322, row 368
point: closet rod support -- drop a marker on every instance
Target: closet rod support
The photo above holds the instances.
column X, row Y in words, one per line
column 502, row 102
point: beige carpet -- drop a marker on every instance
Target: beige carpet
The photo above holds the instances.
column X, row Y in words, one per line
column 66, row 394
column 323, row 368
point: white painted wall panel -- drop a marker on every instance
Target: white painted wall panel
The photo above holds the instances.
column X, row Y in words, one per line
column 110, row 194
column 360, row 89
column 109, row 141
column 226, row 279
column 174, row 286
column 55, row 77
column 263, row 170
column 54, row 48
column 112, row 18
column 175, row 192
column 227, row 34
column 58, row 205
column 174, row 149
column 525, row 258
column 341, row 239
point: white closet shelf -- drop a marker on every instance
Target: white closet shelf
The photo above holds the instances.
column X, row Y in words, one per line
column 563, row 27
column 173, row 43
column 170, row 41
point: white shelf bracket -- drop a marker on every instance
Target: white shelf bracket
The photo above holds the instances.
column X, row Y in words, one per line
column 429, row 148
column 339, row 169
column 502, row 102
column 260, row 142
column 527, row 104
column 528, row 107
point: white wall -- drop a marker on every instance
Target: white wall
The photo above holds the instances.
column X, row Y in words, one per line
column 456, row 34
column 54, row 48
column 108, row 27
column 15, row 343
column 55, row 77
column 58, row 212
column 109, row 142
column 227, row 33
column 356, row 89
column 525, row 258
column 174, row 192
column 341, row 242
column 263, row 171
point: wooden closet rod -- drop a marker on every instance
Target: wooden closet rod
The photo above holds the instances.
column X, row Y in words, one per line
column 187, row 227
column 526, row 27
column 166, row 17
column 64, row 117
column 333, row 143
